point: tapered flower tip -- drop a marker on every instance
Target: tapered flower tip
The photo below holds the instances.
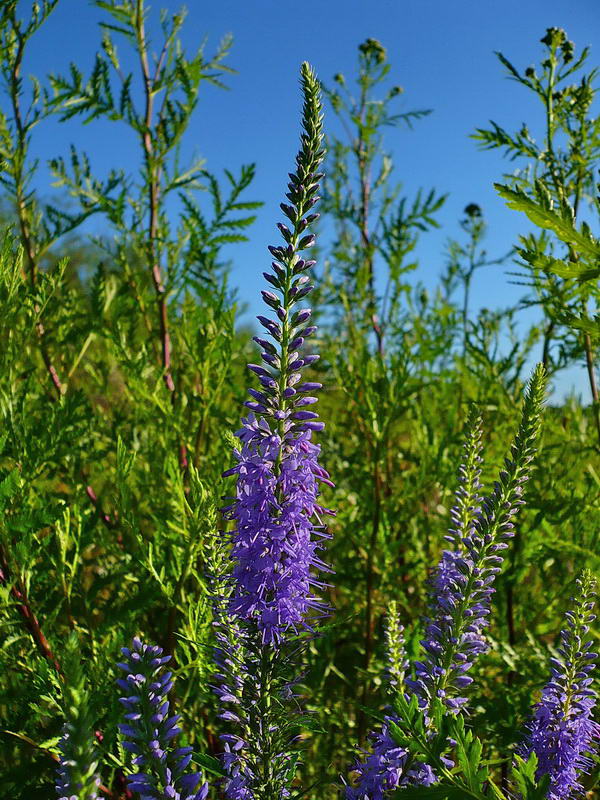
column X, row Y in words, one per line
column 307, row 73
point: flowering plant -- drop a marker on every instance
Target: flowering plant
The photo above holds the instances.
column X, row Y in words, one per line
column 116, row 392
column 425, row 742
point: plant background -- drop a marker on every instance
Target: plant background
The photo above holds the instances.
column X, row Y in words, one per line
column 110, row 482
column 443, row 57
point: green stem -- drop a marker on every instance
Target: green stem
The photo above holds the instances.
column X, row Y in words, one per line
column 265, row 743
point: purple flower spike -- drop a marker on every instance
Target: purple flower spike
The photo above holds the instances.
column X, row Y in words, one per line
column 461, row 587
column 278, row 520
column 270, row 591
column 447, row 588
column 562, row 733
column 149, row 729
column 384, row 769
column 463, row 583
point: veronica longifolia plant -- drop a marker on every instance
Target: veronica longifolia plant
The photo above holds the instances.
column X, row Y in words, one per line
column 274, row 542
column 278, row 528
column 461, row 587
column 562, row 733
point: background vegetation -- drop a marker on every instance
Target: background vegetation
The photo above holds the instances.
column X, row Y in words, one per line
column 122, row 374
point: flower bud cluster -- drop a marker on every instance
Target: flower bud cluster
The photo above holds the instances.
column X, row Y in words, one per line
column 76, row 777
column 149, row 729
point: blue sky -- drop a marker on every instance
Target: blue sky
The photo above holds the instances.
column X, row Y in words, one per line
column 442, row 54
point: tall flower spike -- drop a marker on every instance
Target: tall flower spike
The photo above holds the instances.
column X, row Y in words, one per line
column 384, row 768
column 278, row 527
column 463, row 582
column 149, row 729
column 278, row 521
column 562, row 733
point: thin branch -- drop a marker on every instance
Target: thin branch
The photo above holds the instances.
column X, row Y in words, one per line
column 27, row 236
column 153, row 199
column 19, row 593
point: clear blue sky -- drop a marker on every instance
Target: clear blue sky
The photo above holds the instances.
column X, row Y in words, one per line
column 441, row 52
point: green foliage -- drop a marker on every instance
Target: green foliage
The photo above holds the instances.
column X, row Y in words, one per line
column 555, row 189
column 78, row 749
column 122, row 376
column 375, row 226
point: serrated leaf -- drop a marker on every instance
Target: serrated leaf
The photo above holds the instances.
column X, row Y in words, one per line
column 9, row 485
column 570, row 269
column 524, row 775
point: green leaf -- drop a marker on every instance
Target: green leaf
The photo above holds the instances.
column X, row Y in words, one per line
column 210, row 764
column 524, row 776
column 564, row 269
column 581, row 241
column 571, row 270
column 468, row 755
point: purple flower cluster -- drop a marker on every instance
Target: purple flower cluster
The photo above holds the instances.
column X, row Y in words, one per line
column 385, row 768
column 278, row 526
column 461, row 585
column 275, row 546
column 149, row 729
column 562, row 733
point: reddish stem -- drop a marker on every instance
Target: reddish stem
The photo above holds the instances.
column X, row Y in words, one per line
column 104, row 517
column 19, row 593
